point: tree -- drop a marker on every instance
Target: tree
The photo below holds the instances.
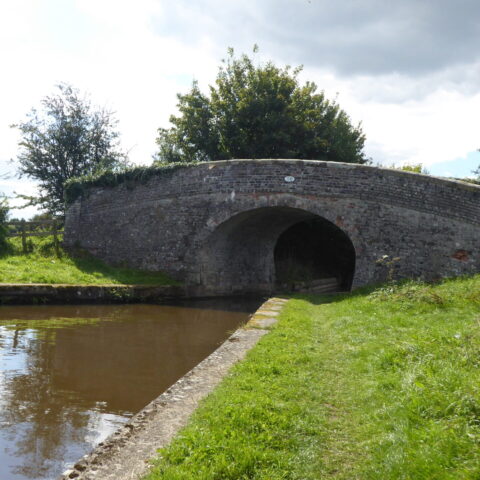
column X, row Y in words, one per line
column 477, row 171
column 413, row 167
column 259, row 112
column 3, row 225
column 66, row 139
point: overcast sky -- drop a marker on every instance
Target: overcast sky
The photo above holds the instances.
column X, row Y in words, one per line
column 409, row 70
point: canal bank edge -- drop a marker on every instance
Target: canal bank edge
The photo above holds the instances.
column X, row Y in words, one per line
column 126, row 454
column 42, row 293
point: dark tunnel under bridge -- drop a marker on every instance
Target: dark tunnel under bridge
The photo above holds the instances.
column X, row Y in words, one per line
column 278, row 249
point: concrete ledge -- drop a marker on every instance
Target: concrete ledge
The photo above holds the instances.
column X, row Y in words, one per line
column 126, row 453
column 39, row 293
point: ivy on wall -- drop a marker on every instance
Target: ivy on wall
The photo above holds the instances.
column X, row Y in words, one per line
column 79, row 186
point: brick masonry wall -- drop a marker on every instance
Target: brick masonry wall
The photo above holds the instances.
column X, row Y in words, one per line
column 215, row 225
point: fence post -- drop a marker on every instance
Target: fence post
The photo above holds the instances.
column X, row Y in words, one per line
column 24, row 236
column 55, row 239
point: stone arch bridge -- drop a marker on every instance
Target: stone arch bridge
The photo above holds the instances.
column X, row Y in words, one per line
column 243, row 226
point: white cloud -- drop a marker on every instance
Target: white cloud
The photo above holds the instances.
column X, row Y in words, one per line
column 437, row 129
column 434, row 127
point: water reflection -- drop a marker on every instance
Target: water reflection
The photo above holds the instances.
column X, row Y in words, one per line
column 69, row 376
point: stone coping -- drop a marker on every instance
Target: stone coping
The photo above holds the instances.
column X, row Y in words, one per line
column 353, row 166
column 44, row 293
column 126, row 454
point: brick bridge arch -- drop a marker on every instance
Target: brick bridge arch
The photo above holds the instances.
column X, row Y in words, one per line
column 215, row 225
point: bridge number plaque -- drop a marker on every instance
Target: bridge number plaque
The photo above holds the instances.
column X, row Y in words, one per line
column 289, row 179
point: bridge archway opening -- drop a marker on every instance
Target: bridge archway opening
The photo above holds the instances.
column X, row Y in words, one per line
column 257, row 251
column 310, row 252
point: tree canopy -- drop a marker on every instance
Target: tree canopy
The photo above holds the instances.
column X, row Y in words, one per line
column 259, row 111
column 67, row 138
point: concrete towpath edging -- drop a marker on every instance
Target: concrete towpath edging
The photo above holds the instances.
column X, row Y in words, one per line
column 126, row 454
column 44, row 293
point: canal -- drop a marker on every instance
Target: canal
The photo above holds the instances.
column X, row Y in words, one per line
column 71, row 375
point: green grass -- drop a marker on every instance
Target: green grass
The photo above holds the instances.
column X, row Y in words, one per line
column 382, row 384
column 41, row 265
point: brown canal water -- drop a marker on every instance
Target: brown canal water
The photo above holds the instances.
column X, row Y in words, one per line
column 71, row 375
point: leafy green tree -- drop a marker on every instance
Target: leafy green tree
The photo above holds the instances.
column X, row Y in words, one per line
column 3, row 225
column 66, row 139
column 259, row 112
column 414, row 168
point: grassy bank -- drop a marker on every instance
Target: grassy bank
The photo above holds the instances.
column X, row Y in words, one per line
column 381, row 384
column 42, row 265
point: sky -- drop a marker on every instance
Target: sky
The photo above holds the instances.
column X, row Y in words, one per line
column 409, row 71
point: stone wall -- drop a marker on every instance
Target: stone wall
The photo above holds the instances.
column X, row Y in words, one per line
column 215, row 225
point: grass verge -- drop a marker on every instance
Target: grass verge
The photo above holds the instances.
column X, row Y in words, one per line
column 381, row 384
column 41, row 265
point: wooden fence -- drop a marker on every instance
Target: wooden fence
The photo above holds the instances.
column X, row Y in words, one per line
column 40, row 228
